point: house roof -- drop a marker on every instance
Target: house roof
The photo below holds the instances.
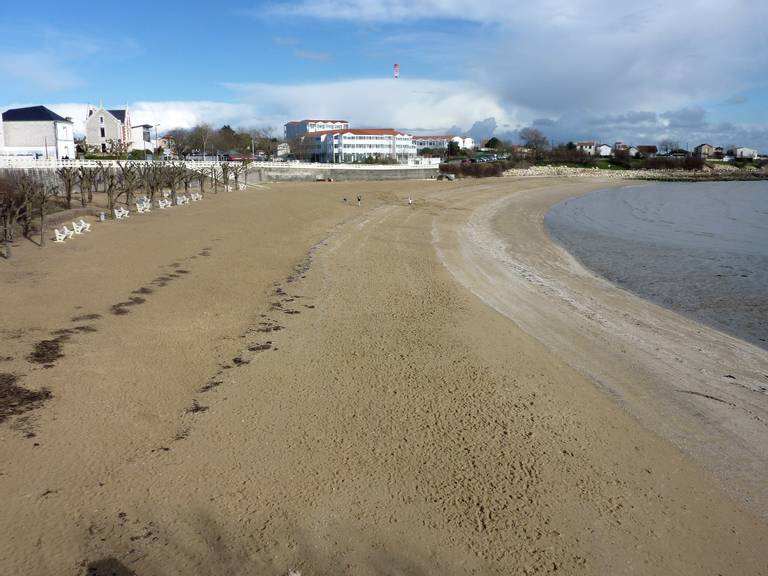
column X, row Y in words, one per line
column 142, row 126
column 647, row 148
column 585, row 143
column 119, row 114
column 32, row 114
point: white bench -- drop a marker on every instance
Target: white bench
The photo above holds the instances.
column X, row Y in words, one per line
column 142, row 207
column 242, row 186
column 80, row 227
column 84, row 226
column 62, row 235
column 121, row 213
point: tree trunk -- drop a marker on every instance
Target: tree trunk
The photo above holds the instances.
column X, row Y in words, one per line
column 42, row 226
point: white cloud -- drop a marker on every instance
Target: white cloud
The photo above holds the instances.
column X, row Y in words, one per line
column 413, row 104
column 556, row 56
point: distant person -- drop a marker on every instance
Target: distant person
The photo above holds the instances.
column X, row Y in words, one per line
column 410, row 201
column 359, row 200
column 345, row 200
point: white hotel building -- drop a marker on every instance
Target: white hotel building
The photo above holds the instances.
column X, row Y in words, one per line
column 442, row 142
column 298, row 128
column 358, row 144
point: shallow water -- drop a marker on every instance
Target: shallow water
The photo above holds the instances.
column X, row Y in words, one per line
column 698, row 248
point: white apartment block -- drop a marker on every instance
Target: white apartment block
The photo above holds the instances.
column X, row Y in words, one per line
column 358, row 144
column 298, row 128
column 38, row 132
column 442, row 142
column 103, row 126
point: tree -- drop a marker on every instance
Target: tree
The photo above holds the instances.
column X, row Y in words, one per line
column 38, row 195
column 87, row 178
column 13, row 202
column 200, row 138
column 533, row 138
column 68, row 177
column 495, row 143
column 226, row 139
column 453, row 149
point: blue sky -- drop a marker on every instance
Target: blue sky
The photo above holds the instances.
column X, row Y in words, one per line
column 638, row 72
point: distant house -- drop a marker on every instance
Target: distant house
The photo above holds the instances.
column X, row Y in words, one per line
column 603, row 150
column 141, row 137
column 719, row 152
column 103, row 127
column 442, row 142
column 743, row 152
column 647, row 150
column 587, row 147
column 283, row 149
column 633, row 151
column 704, row 151
column 37, row 131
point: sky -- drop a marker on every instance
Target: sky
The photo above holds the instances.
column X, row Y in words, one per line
column 636, row 72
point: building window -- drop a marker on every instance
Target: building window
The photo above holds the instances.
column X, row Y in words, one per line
column 102, row 132
column 101, row 119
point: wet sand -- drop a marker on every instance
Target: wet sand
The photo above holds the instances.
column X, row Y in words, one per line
column 316, row 391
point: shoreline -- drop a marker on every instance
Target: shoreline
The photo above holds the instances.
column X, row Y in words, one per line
column 654, row 241
column 699, row 388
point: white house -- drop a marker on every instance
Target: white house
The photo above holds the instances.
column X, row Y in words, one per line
column 38, row 132
column 358, row 144
column 103, row 127
column 588, row 147
column 141, row 138
column 283, row 149
column 442, row 142
column 743, row 152
column 298, row 128
column 603, row 150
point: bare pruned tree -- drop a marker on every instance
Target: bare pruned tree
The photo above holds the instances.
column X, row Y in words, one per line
column 13, row 203
column 238, row 169
column 86, row 182
column 68, row 177
column 226, row 174
column 128, row 182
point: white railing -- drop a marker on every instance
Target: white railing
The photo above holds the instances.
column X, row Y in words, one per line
column 29, row 163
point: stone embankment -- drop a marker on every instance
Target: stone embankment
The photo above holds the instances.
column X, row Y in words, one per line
column 719, row 173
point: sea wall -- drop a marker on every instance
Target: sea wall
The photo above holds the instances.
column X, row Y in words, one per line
column 309, row 173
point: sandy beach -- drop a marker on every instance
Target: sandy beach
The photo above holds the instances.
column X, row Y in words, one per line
column 273, row 379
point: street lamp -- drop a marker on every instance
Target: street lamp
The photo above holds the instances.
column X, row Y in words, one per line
column 155, row 150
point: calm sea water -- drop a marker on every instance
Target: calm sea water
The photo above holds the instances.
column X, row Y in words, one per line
column 698, row 248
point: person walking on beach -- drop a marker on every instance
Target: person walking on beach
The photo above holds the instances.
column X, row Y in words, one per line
column 410, row 202
column 359, row 200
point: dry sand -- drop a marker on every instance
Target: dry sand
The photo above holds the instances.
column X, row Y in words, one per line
column 300, row 383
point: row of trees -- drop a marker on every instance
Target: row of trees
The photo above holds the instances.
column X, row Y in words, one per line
column 27, row 198
column 204, row 138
